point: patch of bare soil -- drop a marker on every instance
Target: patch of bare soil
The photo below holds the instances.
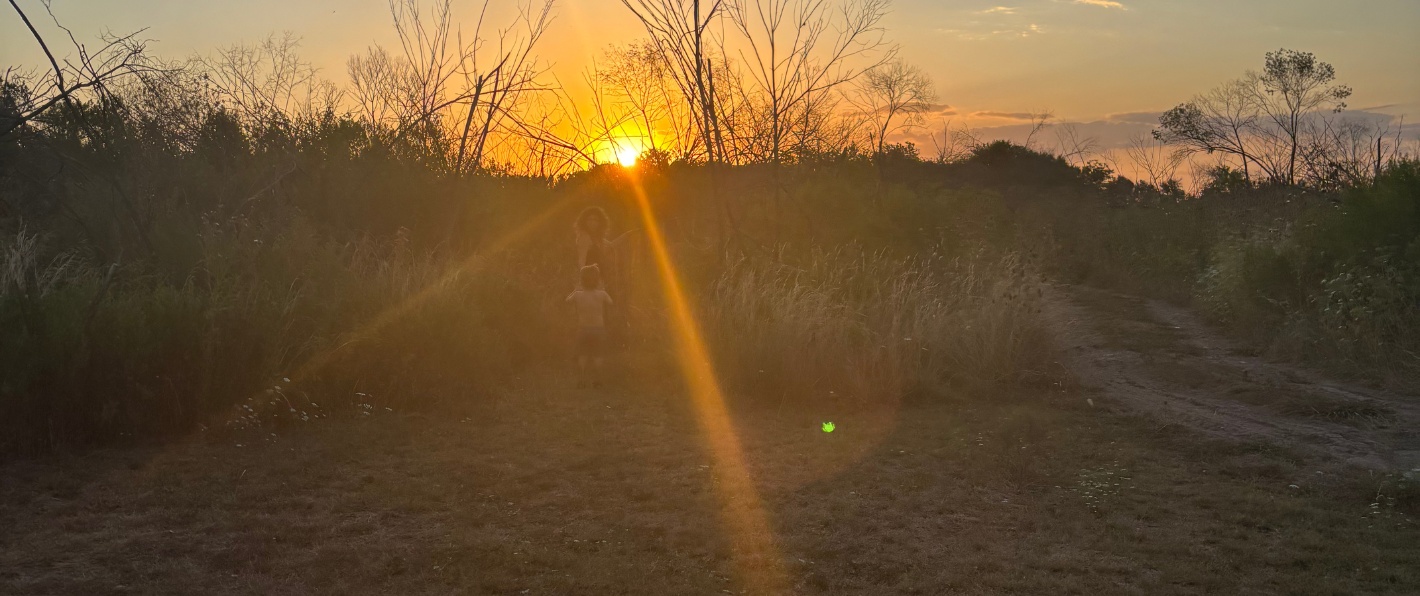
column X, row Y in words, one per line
column 1162, row 360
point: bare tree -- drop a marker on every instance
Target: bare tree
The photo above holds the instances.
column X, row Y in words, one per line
column 444, row 87
column 1039, row 121
column 87, row 70
column 497, row 90
column 376, row 85
column 1351, row 152
column 1264, row 120
column 954, row 144
column 1073, row 148
column 636, row 77
column 679, row 31
column 268, row 81
column 797, row 49
column 892, row 97
column 1154, row 161
column 1222, row 120
column 1291, row 86
column 820, row 127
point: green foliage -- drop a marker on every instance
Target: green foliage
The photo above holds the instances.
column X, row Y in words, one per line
column 1343, row 286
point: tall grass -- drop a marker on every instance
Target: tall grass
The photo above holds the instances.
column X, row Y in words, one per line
column 859, row 325
column 92, row 355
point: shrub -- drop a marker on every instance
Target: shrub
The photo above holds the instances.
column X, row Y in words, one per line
column 1341, row 287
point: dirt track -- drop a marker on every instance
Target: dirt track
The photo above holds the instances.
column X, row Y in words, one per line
column 1159, row 359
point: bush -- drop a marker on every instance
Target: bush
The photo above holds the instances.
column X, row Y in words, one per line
column 1341, row 287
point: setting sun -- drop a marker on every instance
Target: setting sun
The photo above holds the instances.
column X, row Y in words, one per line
column 908, row 296
column 626, row 155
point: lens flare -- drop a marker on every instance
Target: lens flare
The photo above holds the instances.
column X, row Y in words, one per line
column 398, row 311
column 755, row 554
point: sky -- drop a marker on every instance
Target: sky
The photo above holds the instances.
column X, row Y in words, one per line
column 1096, row 62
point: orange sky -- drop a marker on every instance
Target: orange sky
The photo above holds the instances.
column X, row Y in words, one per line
column 1100, row 61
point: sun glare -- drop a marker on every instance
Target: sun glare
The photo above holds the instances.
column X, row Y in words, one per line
column 626, row 156
column 755, row 552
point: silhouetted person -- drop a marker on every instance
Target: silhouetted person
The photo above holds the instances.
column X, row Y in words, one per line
column 594, row 249
column 591, row 302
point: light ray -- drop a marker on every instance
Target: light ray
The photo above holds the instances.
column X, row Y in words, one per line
column 754, row 552
column 394, row 313
column 397, row 311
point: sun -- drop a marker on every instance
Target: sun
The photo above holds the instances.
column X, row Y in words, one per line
column 626, row 155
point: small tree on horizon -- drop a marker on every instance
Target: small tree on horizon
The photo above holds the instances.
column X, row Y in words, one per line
column 1265, row 119
column 892, row 97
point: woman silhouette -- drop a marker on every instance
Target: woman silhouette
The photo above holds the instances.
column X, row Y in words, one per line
column 593, row 248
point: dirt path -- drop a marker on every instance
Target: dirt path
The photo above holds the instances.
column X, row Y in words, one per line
column 1162, row 360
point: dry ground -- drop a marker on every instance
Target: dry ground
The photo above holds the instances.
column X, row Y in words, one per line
column 548, row 490
column 1158, row 358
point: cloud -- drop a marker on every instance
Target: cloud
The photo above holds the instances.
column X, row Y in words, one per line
column 979, row 35
column 1101, row 3
column 1003, row 115
column 941, row 109
column 998, row 10
column 1134, row 117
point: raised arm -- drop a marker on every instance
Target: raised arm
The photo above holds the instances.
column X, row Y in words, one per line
column 624, row 235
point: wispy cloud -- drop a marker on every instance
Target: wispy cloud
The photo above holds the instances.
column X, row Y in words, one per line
column 973, row 35
column 1101, row 3
column 1134, row 117
column 1002, row 115
column 941, row 109
column 998, row 10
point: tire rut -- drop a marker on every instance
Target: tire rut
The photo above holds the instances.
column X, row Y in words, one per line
column 1162, row 360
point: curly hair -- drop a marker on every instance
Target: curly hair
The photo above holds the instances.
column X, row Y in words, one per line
column 580, row 225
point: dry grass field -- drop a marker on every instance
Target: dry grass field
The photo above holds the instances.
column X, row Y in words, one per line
column 1057, row 489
